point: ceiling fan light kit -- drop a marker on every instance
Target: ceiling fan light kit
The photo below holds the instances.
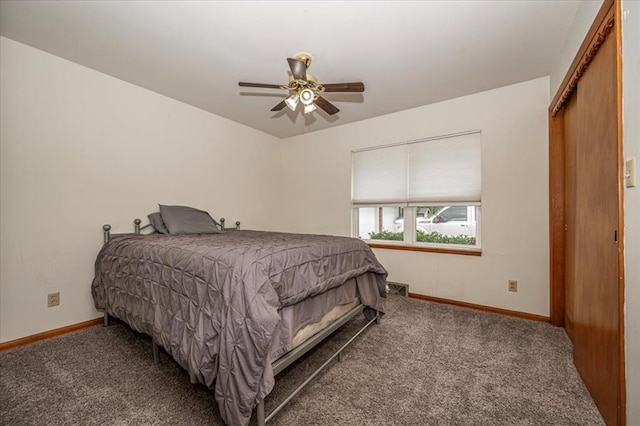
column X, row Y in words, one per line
column 292, row 101
column 309, row 108
column 305, row 87
column 307, row 96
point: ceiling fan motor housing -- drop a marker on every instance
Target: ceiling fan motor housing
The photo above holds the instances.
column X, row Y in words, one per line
column 304, row 57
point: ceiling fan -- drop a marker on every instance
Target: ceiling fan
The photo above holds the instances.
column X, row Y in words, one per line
column 305, row 88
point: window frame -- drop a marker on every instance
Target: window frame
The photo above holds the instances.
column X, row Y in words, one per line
column 410, row 242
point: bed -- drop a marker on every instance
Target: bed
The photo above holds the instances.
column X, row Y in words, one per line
column 236, row 307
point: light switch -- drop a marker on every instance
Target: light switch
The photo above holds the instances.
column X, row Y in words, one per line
column 630, row 173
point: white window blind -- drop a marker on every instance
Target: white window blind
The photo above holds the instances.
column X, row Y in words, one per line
column 380, row 175
column 436, row 170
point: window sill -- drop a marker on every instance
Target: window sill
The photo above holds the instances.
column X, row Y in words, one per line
column 474, row 252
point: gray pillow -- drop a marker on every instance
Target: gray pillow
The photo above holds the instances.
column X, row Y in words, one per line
column 187, row 220
column 158, row 223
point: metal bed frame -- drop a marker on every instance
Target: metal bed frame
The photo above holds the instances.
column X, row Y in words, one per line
column 285, row 360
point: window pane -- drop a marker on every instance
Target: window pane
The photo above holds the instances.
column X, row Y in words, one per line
column 447, row 224
column 381, row 223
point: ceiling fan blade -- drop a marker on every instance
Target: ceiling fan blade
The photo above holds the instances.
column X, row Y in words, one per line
column 279, row 106
column 298, row 69
column 265, row 86
column 344, row 87
column 327, row 106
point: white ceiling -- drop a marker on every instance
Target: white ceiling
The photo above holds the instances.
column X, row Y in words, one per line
column 407, row 53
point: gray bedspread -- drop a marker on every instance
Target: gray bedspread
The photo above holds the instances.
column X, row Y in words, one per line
column 212, row 301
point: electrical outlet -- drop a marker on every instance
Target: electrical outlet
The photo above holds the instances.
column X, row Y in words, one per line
column 513, row 285
column 53, row 299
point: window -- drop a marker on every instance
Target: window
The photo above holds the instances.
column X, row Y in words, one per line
column 421, row 193
column 380, row 223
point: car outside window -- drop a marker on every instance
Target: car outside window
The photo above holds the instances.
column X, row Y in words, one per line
column 458, row 213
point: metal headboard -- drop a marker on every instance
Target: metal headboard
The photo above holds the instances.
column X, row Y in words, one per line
column 137, row 229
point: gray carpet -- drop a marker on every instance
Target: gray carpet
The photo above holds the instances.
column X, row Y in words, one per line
column 426, row 364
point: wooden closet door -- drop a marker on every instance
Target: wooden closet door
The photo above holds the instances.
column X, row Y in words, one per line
column 592, row 219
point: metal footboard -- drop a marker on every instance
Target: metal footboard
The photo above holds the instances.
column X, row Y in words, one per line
column 290, row 357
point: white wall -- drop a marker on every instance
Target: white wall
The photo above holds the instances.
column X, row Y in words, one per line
column 79, row 149
column 631, row 134
column 585, row 14
column 513, row 120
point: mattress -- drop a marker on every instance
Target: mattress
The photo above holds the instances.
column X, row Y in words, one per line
column 307, row 317
column 313, row 328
